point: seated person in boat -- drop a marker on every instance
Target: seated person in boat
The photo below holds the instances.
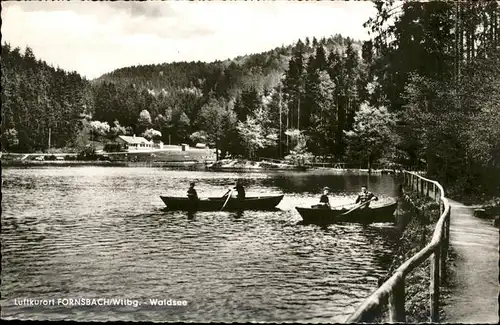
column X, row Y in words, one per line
column 192, row 195
column 240, row 190
column 324, row 202
column 365, row 196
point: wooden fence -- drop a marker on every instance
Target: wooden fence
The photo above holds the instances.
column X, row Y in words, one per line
column 392, row 292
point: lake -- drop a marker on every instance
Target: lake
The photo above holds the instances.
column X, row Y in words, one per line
column 103, row 233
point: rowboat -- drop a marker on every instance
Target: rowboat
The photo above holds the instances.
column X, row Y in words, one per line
column 216, row 203
column 324, row 215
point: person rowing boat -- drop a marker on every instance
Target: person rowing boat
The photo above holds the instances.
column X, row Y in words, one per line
column 365, row 196
column 240, row 190
column 240, row 196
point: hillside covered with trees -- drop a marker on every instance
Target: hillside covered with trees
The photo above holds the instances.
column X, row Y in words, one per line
column 246, row 96
column 422, row 91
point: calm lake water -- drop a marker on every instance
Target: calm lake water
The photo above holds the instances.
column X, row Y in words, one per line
column 101, row 232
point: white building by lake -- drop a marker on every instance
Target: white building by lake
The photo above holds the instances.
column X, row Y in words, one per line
column 134, row 143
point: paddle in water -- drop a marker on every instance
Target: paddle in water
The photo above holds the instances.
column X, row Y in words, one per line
column 227, row 200
column 357, row 207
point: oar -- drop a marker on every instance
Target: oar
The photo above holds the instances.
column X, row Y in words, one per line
column 337, row 206
column 226, row 193
column 228, row 197
column 359, row 206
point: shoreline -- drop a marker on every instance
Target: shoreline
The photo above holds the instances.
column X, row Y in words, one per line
column 191, row 159
column 106, row 163
column 198, row 165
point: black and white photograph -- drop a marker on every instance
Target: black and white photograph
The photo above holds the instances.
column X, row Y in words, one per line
column 250, row 161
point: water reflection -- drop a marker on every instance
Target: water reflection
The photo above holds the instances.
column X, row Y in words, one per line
column 104, row 232
column 238, row 214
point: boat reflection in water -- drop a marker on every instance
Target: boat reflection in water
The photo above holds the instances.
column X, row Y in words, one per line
column 237, row 215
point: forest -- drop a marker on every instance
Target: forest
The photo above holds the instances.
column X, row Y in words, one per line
column 421, row 92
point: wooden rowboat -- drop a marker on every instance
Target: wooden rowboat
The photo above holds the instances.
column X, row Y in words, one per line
column 216, row 203
column 322, row 215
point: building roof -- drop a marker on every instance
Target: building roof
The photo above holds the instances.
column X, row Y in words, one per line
column 134, row 140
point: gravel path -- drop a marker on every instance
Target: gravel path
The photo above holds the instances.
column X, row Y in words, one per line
column 474, row 298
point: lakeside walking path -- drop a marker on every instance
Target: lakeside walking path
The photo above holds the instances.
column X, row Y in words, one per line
column 474, row 297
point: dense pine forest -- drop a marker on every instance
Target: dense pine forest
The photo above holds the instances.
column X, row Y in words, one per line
column 422, row 91
column 437, row 66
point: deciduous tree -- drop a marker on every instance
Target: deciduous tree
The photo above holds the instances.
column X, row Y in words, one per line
column 371, row 135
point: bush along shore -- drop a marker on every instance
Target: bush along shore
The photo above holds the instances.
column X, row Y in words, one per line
column 423, row 214
column 244, row 164
column 489, row 210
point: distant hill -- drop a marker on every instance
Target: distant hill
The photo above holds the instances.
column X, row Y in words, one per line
column 229, row 77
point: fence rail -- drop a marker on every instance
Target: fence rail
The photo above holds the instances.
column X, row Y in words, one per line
column 392, row 291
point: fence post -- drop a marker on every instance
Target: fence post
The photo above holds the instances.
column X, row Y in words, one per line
column 446, row 243
column 444, row 253
column 397, row 301
column 434, row 286
column 428, row 188
column 448, row 218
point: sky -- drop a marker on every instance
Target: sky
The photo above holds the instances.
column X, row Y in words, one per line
column 94, row 38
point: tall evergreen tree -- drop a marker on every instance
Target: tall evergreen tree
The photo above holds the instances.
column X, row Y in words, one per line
column 294, row 85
